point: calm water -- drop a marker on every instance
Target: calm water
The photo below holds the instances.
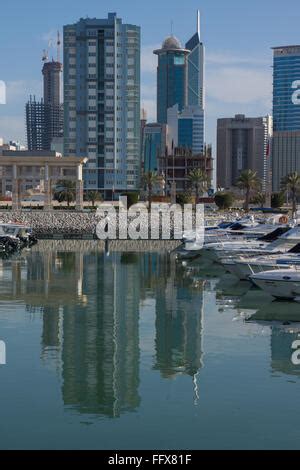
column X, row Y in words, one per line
column 135, row 351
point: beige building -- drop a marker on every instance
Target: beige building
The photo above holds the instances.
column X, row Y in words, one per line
column 23, row 170
column 242, row 144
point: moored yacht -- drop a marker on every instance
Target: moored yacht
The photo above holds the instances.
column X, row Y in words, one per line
column 282, row 284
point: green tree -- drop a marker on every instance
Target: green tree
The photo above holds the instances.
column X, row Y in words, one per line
column 132, row 198
column 248, row 181
column 184, row 198
column 277, row 200
column 199, row 181
column 291, row 183
column 93, row 196
column 150, row 179
column 224, row 200
column 259, row 199
column 65, row 191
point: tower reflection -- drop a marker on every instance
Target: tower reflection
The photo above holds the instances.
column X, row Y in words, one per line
column 178, row 324
column 90, row 306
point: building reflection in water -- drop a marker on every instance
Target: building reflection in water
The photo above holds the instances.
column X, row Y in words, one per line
column 178, row 324
column 101, row 343
column 90, row 306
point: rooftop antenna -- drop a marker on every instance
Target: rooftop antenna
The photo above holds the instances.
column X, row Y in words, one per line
column 171, row 27
column 198, row 23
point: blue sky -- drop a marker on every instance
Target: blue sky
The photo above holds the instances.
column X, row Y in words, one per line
column 238, row 36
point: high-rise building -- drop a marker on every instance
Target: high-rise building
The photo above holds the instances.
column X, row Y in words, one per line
column 51, row 73
column 154, row 142
column 242, row 144
column 286, row 113
column 102, row 101
column 196, row 77
column 44, row 119
column 181, row 91
column 35, row 124
column 172, row 77
column 186, row 128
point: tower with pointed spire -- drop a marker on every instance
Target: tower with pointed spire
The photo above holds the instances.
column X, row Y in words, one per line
column 196, row 61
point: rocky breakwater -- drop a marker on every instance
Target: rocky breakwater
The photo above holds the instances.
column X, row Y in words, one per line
column 71, row 224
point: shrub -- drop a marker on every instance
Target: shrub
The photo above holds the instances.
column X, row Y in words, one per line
column 277, row 200
column 184, row 198
column 132, row 198
column 224, row 200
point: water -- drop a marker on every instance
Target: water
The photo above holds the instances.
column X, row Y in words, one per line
column 134, row 350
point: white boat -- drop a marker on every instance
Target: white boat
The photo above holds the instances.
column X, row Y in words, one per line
column 243, row 267
column 281, row 244
column 282, row 284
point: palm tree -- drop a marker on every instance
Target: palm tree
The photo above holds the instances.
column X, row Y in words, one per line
column 259, row 199
column 93, row 196
column 248, row 181
column 291, row 183
column 150, row 179
column 65, row 190
column 199, row 180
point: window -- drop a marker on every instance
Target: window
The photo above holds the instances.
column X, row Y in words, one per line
column 178, row 60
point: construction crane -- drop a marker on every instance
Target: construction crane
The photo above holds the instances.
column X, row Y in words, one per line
column 45, row 55
column 58, row 43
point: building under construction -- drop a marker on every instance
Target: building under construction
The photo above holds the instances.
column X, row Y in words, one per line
column 177, row 164
column 44, row 119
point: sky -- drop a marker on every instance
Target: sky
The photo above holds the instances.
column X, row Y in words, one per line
column 238, row 37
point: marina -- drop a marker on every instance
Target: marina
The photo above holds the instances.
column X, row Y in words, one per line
column 121, row 341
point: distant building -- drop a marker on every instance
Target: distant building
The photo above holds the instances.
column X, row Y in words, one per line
column 181, row 91
column 196, row 75
column 242, row 144
column 154, row 142
column 177, row 164
column 172, row 77
column 44, row 119
column 102, row 102
column 186, row 128
column 35, row 124
column 286, row 113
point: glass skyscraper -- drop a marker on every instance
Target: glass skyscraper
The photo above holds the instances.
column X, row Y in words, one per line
column 180, row 82
column 186, row 128
column 171, row 77
column 196, row 59
column 286, row 113
column 154, row 141
column 102, row 101
column 286, row 88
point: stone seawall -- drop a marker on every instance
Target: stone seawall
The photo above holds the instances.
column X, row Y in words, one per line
column 54, row 223
column 63, row 224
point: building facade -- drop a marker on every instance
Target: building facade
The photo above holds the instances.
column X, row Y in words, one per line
column 44, row 118
column 154, row 142
column 286, row 113
column 196, row 72
column 102, row 101
column 186, row 128
column 177, row 164
column 243, row 144
column 172, row 78
column 181, row 91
